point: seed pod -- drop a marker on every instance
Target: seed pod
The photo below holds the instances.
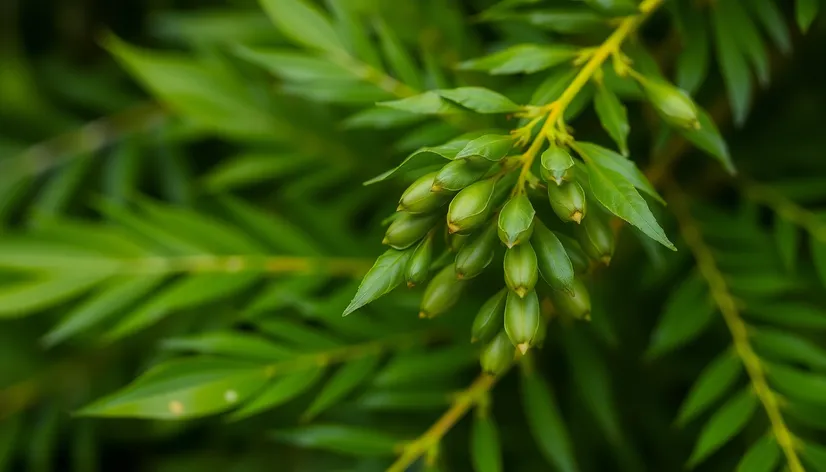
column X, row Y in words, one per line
column 471, row 207
column 522, row 319
column 614, row 7
column 596, row 239
column 456, row 241
column 458, row 174
column 489, row 320
column 552, row 259
column 521, row 270
column 476, row 255
column 568, row 201
column 673, row 104
column 407, row 229
column 557, row 165
column 497, row 355
column 418, row 266
column 579, row 260
column 516, row 221
column 419, row 199
column 441, row 293
column 576, row 304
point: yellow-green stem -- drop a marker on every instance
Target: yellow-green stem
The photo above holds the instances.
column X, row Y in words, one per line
column 736, row 326
column 556, row 110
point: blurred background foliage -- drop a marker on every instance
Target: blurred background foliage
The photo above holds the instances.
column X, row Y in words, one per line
column 223, row 222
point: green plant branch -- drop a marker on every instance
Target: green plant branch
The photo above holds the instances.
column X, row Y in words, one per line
column 464, row 401
column 724, row 300
column 785, row 208
column 556, row 110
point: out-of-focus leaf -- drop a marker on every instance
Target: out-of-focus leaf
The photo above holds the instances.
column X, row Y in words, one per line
column 397, row 56
column 762, row 456
column 709, row 139
column 687, row 313
column 789, row 347
column 485, row 451
column 380, row 118
column 427, row 103
column 796, row 383
column 692, row 62
column 411, row 367
column 480, row 100
column 819, row 258
column 348, row 440
column 815, row 456
column 734, row 68
column 806, row 12
column 714, row 381
column 186, row 388
column 248, row 169
column 791, row 314
column 787, row 237
column 342, row 383
column 729, row 420
column 279, row 391
column 523, row 58
column 546, row 424
column 231, row 344
column 303, row 23
column 294, row 66
column 769, row 14
column 25, row 298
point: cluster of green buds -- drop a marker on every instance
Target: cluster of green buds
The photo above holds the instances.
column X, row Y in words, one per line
column 489, row 212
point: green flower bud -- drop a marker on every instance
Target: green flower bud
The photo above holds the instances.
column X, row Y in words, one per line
column 673, row 104
column 552, row 259
column 522, row 320
column 488, row 321
column 474, row 256
column 418, row 266
column 456, row 241
column 471, row 207
column 516, row 221
column 576, row 304
column 596, row 239
column 419, row 199
column 408, row 229
column 568, row 201
column 497, row 355
column 441, row 293
column 557, row 165
column 521, row 270
column 458, row 174
column 579, row 260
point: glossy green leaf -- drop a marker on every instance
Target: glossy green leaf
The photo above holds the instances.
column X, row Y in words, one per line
column 303, row 23
column 185, row 388
column 480, row 100
column 546, row 423
column 618, row 195
column 342, row 383
column 522, row 58
column 348, row 440
column 688, row 311
column 485, row 451
column 613, row 116
column 806, row 12
column 609, row 159
column 492, row 147
column 729, row 420
column 762, row 456
column 713, row 382
column 385, row 275
column 279, row 391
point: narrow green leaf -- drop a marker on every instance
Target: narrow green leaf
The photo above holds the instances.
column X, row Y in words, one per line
column 693, row 60
column 609, row 159
column 688, row 311
column 385, row 275
column 354, row 33
column 249, row 169
column 278, row 392
column 787, row 238
column 294, row 66
column 485, row 451
column 380, row 118
column 184, row 388
column 522, row 58
column 427, row 103
column 341, row 384
column 729, row 420
column 714, row 381
column 303, row 23
column 818, row 249
column 492, row 147
column 734, row 68
column 348, row 440
column 480, row 100
column 790, row 314
column 410, row 368
column 769, row 14
column 745, row 32
column 762, row 456
column 397, row 56
column 617, row 194
column 236, row 345
column 301, row 336
column 709, row 139
column 785, row 346
column 108, row 301
column 403, row 401
column 613, row 116
column 815, row 456
column 795, row 383
column 25, row 298
column 806, row 12
column 546, row 423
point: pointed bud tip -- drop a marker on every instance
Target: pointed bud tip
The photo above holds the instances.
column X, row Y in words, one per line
column 385, row 241
column 436, row 188
column 452, row 228
column 460, row 276
column 577, row 216
column 474, row 340
column 521, row 291
column 606, row 260
column 523, row 348
column 587, row 316
column 422, row 314
column 410, row 284
column 400, row 207
column 558, row 180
